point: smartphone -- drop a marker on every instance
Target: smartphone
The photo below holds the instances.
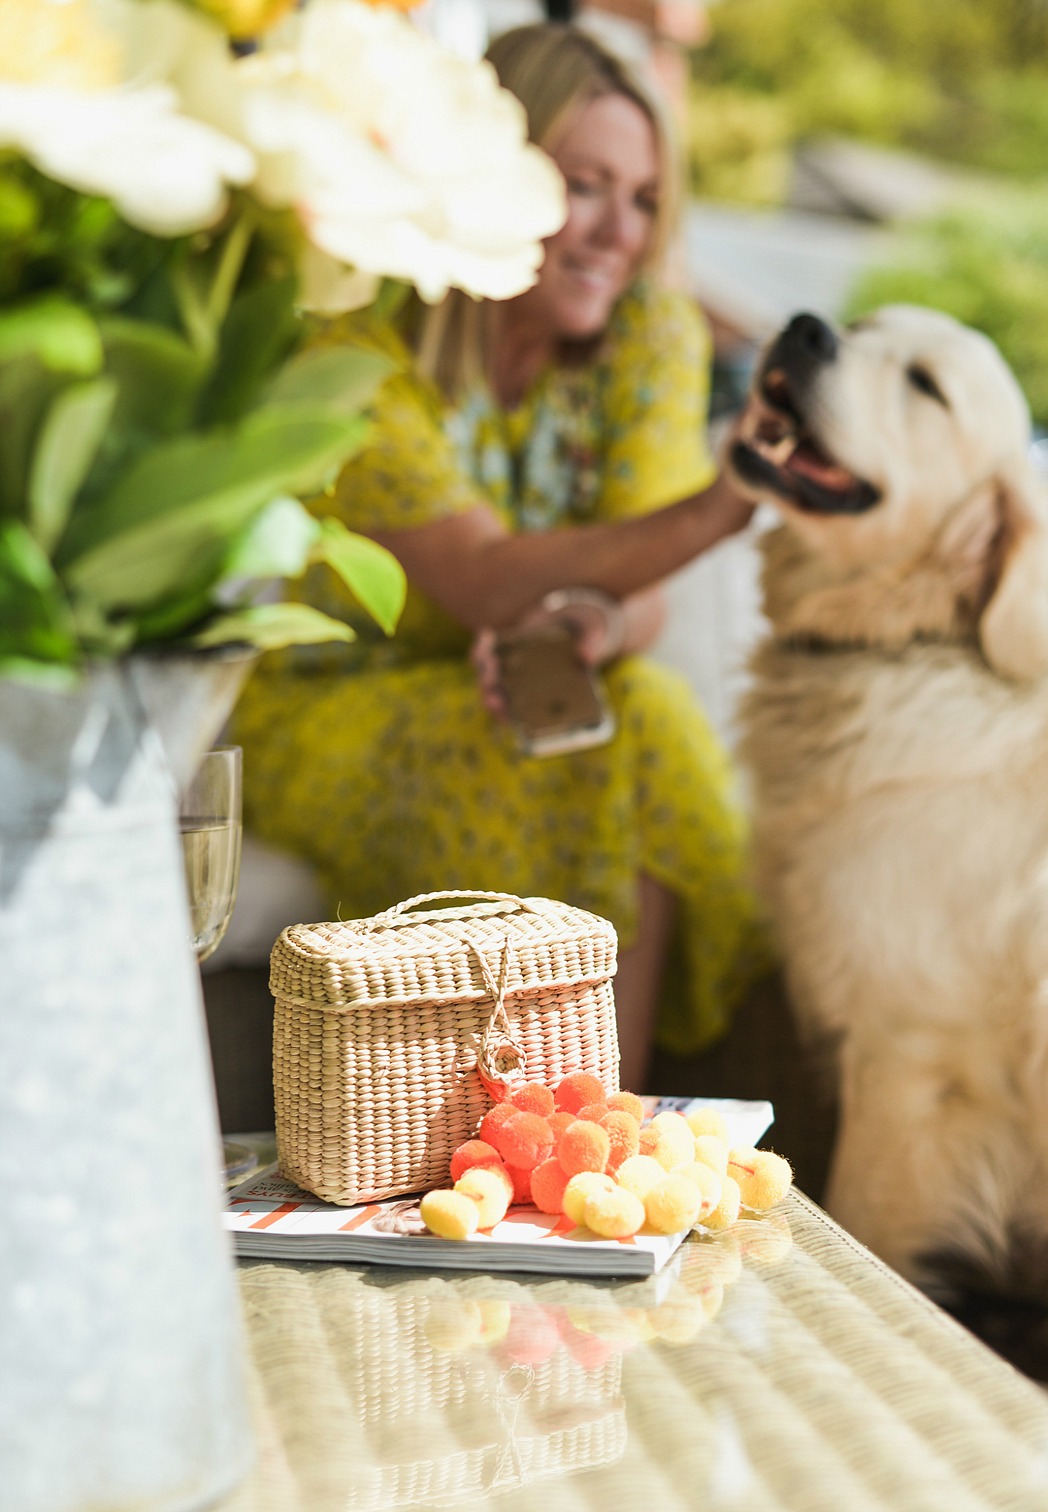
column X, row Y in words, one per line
column 554, row 701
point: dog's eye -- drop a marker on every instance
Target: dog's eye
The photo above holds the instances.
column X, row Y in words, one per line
column 924, row 383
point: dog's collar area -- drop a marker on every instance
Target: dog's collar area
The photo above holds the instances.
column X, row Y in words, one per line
column 811, row 643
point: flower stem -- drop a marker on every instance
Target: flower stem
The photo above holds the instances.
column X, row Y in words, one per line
column 230, row 262
column 202, row 315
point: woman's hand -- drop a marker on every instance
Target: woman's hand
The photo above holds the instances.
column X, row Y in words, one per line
column 603, row 628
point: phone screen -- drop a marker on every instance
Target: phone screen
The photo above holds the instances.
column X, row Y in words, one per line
column 549, row 691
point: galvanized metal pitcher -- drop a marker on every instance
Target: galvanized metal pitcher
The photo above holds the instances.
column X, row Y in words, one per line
column 120, row 1365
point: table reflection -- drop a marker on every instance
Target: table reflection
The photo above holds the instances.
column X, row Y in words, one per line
column 393, row 1391
column 775, row 1366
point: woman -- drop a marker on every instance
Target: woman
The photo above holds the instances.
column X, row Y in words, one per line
column 545, row 443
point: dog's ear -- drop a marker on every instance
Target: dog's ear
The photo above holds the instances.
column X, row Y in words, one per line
column 1013, row 627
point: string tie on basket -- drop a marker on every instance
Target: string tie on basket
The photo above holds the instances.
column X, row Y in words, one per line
column 497, row 1037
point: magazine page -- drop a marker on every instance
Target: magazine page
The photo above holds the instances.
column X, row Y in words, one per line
column 271, row 1217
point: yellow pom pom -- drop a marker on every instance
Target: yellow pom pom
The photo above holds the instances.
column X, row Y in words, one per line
column 673, row 1205
column 654, row 1144
column 712, row 1151
column 451, row 1215
column 707, row 1121
column 489, row 1190
column 708, row 1184
column 678, row 1320
column 766, row 1239
column 727, row 1210
column 764, row 1178
column 614, row 1215
column 495, row 1317
column 639, row 1174
column 582, row 1185
column 673, row 1128
column 454, row 1325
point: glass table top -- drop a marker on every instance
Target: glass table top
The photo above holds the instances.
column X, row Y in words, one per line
column 776, row 1366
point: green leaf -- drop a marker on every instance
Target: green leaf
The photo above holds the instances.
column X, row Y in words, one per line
column 157, row 375
column 173, row 515
column 343, row 377
column 273, row 626
column 278, row 543
column 58, row 332
column 54, row 677
column 27, row 390
column 34, row 617
column 257, row 333
column 371, row 573
column 99, row 635
column 68, row 440
column 389, row 301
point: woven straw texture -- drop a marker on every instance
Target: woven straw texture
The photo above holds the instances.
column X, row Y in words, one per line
column 823, row 1383
column 393, row 1035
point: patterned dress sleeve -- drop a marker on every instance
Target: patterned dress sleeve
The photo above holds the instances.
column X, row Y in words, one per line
column 656, row 400
column 407, row 472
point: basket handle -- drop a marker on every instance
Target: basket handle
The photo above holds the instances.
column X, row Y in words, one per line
column 395, row 915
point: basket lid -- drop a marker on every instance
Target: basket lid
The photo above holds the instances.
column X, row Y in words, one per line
column 408, row 954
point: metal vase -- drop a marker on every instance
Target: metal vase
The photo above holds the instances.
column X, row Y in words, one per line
column 120, row 1356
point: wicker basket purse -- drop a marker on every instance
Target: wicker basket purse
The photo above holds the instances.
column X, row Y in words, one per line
column 393, row 1035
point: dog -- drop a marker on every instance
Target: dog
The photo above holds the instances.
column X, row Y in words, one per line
column 896, row 737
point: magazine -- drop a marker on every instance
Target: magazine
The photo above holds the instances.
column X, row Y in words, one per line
column 270, row 1217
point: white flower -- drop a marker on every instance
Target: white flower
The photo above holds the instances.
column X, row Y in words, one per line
column 83, row 97
column 327, row 287
column 400, row 158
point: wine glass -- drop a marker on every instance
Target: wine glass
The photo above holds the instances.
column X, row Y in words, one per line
column 209, row 818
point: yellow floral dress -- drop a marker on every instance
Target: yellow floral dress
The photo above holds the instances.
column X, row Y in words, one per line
column 377, row 761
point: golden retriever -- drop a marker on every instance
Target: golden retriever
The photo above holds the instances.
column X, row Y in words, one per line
column 896, row 733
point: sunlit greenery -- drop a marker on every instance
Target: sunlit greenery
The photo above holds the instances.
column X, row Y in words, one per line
column 990, row 269
column 960, row 79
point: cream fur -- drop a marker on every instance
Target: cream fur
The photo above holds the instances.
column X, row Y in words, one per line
column 897, row 739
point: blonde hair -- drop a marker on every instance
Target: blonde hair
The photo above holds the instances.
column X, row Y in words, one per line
column 554, row 70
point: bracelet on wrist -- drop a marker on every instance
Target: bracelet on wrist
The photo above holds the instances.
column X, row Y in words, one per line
column 610, row 610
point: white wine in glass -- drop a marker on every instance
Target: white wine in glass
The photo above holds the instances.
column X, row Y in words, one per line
column 210, row 822
column 211, row 848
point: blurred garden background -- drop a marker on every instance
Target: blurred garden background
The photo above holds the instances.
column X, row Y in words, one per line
column 928, row 122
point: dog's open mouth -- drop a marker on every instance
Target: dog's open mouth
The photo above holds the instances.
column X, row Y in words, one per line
column 777, row 450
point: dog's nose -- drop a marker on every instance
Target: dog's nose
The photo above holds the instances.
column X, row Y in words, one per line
column 811, row 336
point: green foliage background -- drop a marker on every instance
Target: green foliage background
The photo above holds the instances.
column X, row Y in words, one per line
column 964, row 81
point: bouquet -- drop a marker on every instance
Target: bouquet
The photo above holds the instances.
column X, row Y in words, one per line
column 173, row 219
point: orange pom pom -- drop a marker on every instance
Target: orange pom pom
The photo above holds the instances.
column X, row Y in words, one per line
column 493, row 1120
column 583, row 1146
column 533, row 1336
column 558, row 1122
column 524, row 1141
column 521, row 1185
column 593, row 1112
column 623, row 1133
column 578, row 1089
column 533, row 1097
column 475, row 1152
column 627, row 1102
column 548, row 1181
